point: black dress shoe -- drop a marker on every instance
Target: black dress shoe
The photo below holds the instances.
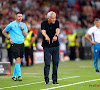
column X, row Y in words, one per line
column 46, row 83
column 55, row 83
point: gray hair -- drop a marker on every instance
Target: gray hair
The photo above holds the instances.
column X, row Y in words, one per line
column 50, row 14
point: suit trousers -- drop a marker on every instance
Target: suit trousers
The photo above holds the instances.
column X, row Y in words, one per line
column 51, row 53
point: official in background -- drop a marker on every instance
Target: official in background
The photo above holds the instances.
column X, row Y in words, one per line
column 28, row 43
column 73, row 45
column 50, row 31
column 17, row 31
column 94, row 32
column 8, row 47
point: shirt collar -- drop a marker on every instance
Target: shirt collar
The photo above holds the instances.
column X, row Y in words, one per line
column 17, row 23
column 96, row 27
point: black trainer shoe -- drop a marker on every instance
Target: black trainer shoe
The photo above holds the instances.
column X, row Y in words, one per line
column 14, row 78
column 19, row 78
column 97, row 71
column 55, row 83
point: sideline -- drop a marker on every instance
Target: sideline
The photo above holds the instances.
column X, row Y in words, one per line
column 37, row 82
column 71, row 84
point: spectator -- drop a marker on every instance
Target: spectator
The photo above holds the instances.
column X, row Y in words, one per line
column 39, row 43
column 72, row 12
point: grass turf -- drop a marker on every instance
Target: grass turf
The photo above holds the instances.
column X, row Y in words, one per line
column 84, row 69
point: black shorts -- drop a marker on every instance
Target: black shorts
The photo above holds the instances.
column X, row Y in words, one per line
column 17, row 50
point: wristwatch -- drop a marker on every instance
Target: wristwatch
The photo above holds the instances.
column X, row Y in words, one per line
column 22, row 29
column 8, row 38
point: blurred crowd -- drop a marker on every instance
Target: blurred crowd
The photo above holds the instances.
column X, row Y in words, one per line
column 72, row 15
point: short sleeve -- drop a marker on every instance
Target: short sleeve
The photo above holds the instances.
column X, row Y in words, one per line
column 8, row 27
column 90, row 31
column 57, row 24
column 43, row 27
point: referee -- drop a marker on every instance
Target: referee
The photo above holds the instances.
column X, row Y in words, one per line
column 50, row 31
column 18, row 31
column 94, row 32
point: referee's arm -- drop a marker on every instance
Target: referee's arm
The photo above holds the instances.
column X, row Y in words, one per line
column 4, row 32
column 24, row 33
column 87, row 37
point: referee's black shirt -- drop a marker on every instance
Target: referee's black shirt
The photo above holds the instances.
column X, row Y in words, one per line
column 50, row 31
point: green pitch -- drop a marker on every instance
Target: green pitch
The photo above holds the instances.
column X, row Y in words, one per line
column 72, row 75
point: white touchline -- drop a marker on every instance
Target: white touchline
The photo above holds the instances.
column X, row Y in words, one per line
column 31, row 73
column 85, row 66
column 37, row 82
column 71, row 84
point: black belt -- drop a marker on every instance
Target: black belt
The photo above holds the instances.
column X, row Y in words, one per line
column 19, row 44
